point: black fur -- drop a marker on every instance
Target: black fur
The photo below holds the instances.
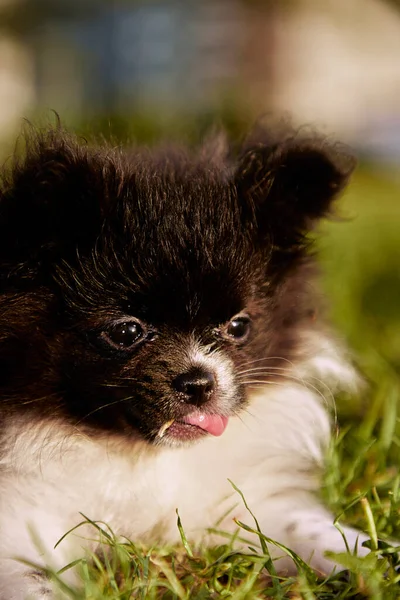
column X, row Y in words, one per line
column 180, row 241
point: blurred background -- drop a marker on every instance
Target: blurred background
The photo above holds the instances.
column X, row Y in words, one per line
column 333, row 63
column 139, row 70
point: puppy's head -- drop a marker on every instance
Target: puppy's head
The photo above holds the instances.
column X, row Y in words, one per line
column 146, row 293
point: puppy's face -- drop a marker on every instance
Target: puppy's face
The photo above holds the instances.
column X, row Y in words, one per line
column 148, row 294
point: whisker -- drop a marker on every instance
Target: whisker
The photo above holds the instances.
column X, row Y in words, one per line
column 252, row 415
column 267, row 358
column 26, row 401
column 265, row 369
column 302, row 381
column 292, row 375
column 260, row 383
column 114, row 385
column 102, row 407
column 239, row 416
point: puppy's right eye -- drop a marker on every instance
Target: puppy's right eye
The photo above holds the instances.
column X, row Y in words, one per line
column 124, row 335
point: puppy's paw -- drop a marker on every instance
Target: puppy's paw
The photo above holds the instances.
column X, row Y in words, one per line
column 312, row 534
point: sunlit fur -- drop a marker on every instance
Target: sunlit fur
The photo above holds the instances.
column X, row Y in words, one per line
column 180, row 241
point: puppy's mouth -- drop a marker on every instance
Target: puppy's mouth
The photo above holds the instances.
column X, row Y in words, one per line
column 194, row 426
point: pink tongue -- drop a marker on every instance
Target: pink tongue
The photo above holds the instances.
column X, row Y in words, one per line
column 214, row 424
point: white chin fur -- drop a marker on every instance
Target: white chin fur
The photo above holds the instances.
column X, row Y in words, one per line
column 273, row 453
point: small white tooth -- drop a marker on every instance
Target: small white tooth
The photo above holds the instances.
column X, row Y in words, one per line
column 164, row 428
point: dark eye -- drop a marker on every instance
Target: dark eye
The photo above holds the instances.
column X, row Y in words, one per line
column 124, row 335
column 239, row 328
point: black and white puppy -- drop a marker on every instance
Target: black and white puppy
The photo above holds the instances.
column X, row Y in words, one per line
column 159, row 336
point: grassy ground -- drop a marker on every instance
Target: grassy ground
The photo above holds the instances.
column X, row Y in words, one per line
column 361, row 260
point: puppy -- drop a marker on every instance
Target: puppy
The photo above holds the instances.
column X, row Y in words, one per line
column 159, row 335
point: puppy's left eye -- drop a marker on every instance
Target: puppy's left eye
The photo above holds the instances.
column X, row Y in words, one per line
column 124, row 335
column 239, row 328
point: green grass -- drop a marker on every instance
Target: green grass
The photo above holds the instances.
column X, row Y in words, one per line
column 360, row 256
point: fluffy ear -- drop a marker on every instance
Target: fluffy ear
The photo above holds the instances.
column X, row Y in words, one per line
column 50, row 202
column 289, row 185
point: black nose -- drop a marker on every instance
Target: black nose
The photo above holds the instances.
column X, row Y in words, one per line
column 195, row 386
